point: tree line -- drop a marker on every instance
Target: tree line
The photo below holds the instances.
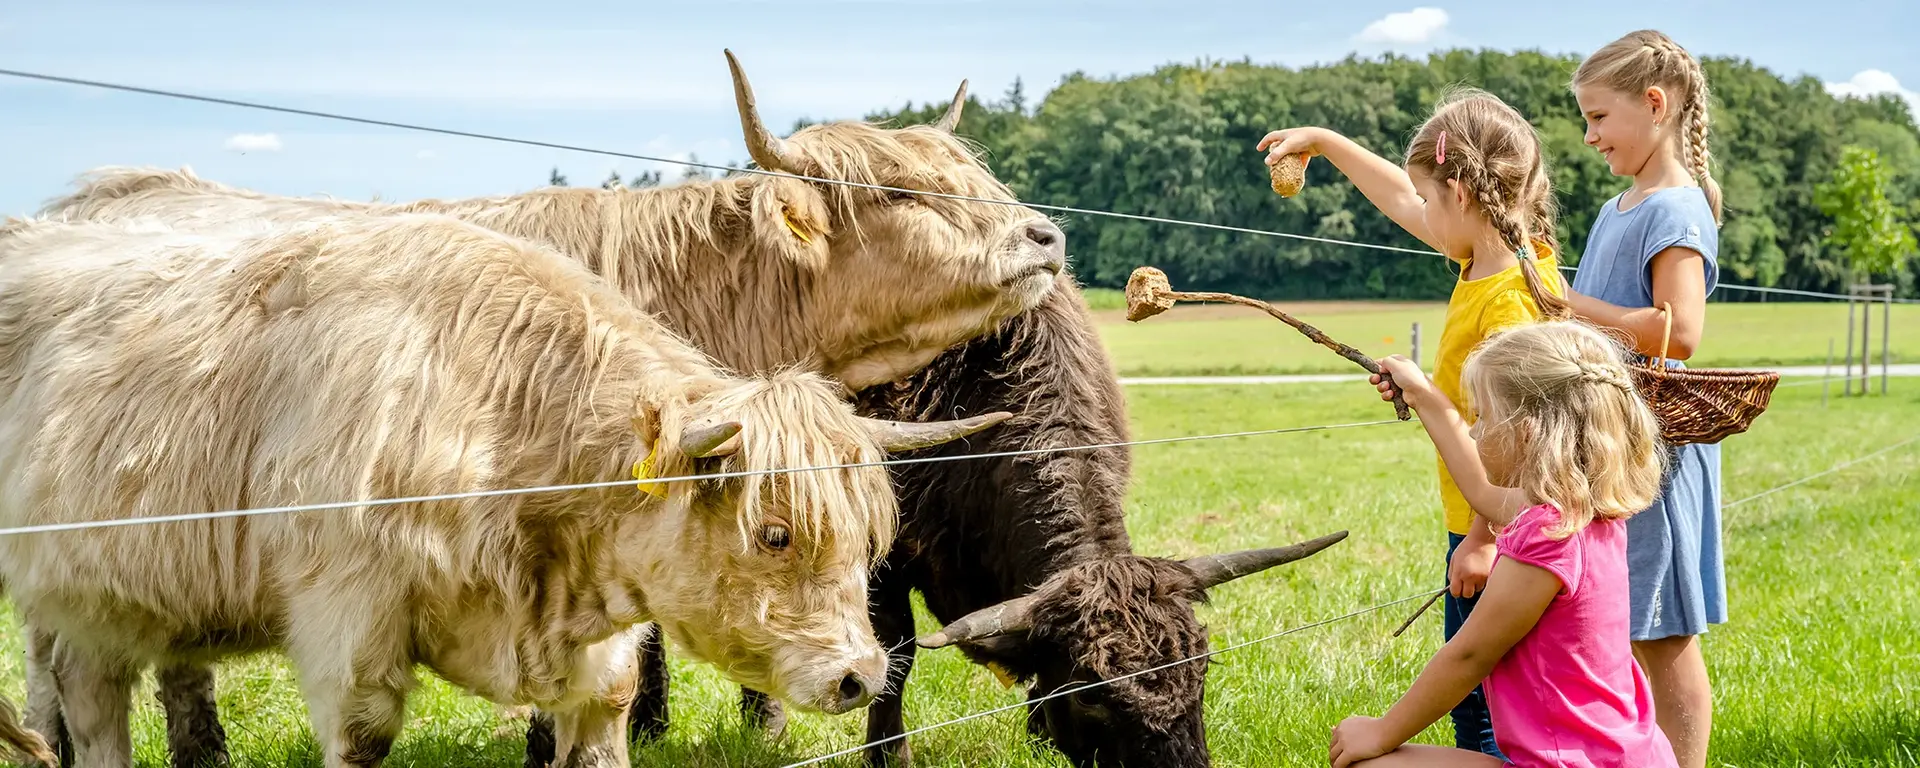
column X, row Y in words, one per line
column 1820, row 191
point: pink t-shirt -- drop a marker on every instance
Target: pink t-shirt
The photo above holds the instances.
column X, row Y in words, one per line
column 1570, row 693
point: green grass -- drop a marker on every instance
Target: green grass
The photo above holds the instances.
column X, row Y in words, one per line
column 1104, row 298
column 1242, row 341
column 1818, row 666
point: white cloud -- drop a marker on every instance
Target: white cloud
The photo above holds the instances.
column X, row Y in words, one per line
column 1871, row 82
column 1405, row 27
column 253, row 142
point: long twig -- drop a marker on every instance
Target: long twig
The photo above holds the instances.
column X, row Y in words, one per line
column 1416, row 613
column 1149, row 294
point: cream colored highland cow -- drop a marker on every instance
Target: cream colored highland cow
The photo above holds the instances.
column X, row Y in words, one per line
column 151, row 371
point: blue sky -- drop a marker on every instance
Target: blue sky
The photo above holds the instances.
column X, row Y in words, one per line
column 649, row 77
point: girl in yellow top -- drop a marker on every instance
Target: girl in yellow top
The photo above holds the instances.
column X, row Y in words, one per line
column 1474, row 187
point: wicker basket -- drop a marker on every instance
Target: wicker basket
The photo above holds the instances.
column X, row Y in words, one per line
column 1700, row 405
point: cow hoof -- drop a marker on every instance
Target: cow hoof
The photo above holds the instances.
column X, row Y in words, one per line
column 593, row 757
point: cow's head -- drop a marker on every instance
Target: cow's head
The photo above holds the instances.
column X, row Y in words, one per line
column 1106, row 621
column 765, row 575
column 905, row 275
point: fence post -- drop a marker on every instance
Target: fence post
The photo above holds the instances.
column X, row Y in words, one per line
column 1416, row 343
column 1846, row 386
column 1886, row 336
column 1866, row 341
column 1826, row 379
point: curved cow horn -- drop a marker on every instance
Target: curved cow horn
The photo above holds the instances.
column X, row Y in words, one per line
column 1011, row 616
column 768, row 151
column 717, row 440
column 1210, row 571
column 951, row 120
column 910, row 435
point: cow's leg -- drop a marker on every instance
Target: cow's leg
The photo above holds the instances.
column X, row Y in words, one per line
column 194, row 735
column 892, row 612
column 594, row 734
column 95, row 696
column 348, row 642
column 356, row 703
column 648, row 718
column 43, row 695
column 763, row 712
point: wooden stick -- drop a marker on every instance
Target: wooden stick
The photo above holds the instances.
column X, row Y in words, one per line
column 1148, row 294
column 1417, row 612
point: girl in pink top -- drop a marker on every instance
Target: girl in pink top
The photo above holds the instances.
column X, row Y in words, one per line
column 1574, row 451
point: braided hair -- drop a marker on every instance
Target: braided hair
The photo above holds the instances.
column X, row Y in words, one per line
column 1493, row 153
column 1648, row 58
column 1560, row 395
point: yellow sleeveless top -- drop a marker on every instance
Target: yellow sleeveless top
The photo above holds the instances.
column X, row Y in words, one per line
column 1479, row 309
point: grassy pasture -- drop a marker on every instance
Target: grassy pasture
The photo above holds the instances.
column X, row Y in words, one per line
column 1819, row 666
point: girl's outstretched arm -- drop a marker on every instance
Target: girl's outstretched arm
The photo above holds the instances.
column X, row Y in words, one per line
column 1516, row 596
column 1453, row 439
column 1679, row 279
column 1385, row 185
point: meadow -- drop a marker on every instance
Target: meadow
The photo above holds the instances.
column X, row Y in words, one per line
column 1818, row 666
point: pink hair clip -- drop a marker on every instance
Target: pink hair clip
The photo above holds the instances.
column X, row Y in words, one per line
column 1440, row 149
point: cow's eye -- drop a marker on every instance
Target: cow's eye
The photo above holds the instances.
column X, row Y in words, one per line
column 775, row 536
column 1087, row 703
column 901, row 198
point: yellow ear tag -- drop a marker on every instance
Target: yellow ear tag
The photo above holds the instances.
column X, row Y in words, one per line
column 1000, row 673
column 644, row 470
column 786, row 215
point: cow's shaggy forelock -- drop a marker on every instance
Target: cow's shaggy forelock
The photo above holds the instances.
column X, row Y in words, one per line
column 1119, row 616
column 796, row 419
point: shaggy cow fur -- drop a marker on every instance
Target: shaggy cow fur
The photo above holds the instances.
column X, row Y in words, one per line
column 147, row 371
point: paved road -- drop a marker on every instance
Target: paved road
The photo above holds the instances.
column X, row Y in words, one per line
column 1815, row 371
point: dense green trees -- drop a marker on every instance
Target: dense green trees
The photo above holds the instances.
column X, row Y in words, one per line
column 1178, row 142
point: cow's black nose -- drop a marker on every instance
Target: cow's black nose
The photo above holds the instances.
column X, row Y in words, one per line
column 851, row 690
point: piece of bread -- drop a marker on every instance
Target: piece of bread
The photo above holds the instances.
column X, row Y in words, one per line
column 1289, row 174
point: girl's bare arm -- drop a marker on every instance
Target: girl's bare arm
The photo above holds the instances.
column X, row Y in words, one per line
column 1679, row 279
column 1384, row 184
column 1453, row 439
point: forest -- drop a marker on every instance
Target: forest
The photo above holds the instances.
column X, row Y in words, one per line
column 1821, row 191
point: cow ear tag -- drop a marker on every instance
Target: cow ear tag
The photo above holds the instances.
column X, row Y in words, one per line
column 786, row 215
column 1000, row 673
column 643, row 469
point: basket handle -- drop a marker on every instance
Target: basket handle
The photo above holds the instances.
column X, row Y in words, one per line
column 1666, row 332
